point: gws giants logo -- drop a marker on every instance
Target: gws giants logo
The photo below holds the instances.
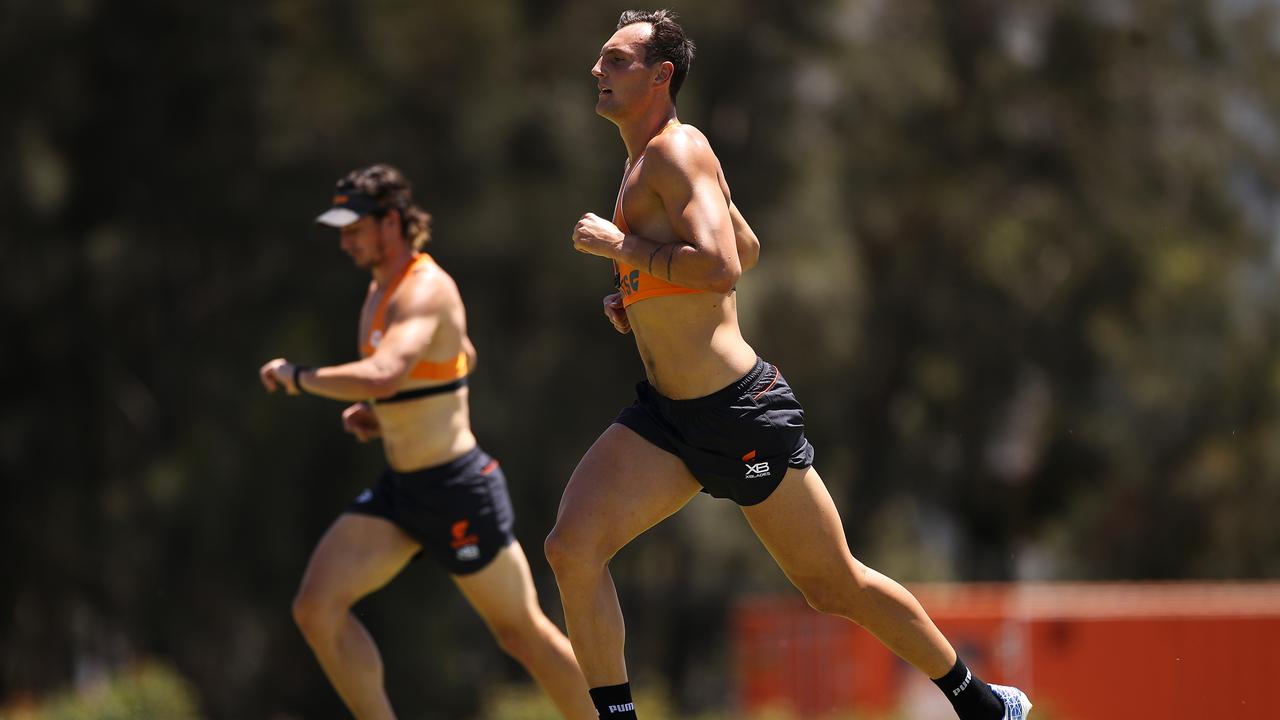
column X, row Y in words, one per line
column 465, row 546
column 755, row 470
column 629, row 283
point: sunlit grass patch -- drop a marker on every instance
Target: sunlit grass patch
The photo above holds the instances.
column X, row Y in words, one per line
column 146, row 691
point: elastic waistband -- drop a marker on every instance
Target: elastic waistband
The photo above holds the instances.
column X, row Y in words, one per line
column 474, row 456
column 724, row 395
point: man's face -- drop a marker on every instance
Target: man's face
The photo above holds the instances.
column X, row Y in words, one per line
column 621, row 75
column 362, row 240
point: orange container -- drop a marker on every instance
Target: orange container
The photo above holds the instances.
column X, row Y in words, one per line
column 1082, row 651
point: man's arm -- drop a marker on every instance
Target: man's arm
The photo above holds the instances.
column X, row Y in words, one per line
column 746, row 240
column 414, row 318
column 470, row 350
column 682, row 172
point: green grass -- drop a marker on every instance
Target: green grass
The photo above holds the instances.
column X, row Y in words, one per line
column 147, row 691
column 527, row 702
column 155, row 691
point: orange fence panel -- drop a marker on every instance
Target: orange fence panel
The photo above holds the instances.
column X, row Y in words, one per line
column 1082, row 651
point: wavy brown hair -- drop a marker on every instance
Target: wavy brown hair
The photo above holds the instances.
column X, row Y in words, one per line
column 388, row 186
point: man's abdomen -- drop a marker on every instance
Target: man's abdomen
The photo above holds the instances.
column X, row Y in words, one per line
column 426, row 432
column 690, row 344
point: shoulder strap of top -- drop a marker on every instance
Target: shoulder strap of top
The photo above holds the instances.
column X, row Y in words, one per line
column 379, row 321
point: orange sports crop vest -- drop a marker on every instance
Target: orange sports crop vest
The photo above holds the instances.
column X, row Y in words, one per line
column 636, row 284
column 424, row 370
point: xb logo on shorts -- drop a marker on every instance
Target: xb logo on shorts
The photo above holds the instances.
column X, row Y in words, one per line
column 755, row 470
column 465, row 546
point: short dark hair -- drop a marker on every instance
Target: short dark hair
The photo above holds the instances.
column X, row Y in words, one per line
column 388, row 186
column 668, row 42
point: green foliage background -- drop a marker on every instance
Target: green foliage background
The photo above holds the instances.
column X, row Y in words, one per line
column 1019, row 262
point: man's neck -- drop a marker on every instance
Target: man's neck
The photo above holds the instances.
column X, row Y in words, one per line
column 391, row 266
column 637, row 133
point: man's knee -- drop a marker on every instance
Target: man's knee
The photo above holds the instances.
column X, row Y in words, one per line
column 516, row 639
column 558, row 549
column 841, row 593
column 316, row 614
column 570, row 551
column 306, row 613
column 825, row 599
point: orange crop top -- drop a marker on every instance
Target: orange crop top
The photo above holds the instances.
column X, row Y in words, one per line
column 636, row 284
column 424, row 370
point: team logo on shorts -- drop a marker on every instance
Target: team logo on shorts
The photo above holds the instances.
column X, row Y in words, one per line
column 465, row 546
column 755, row 470
column 364, row 497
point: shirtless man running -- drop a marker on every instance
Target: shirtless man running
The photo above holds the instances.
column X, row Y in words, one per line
column 441, row 494
column 711, row 416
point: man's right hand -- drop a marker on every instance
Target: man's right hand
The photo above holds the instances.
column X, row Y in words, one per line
column 616, row 313
column 279, row 373
column 359, row 420
column 596, row 236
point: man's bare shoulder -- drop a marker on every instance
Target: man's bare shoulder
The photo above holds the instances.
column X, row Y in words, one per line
column 428, row 289
column 682, row 149
column 680, row 143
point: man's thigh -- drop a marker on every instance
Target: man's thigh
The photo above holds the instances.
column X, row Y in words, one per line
column 623, row 486
column 357, row 555
column 800, row 526
column 503, row 592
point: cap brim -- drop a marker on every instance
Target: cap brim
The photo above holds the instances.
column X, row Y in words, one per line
column 337, row 217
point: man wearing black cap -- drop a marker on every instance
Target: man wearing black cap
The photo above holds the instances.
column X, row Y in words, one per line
column 441, row 494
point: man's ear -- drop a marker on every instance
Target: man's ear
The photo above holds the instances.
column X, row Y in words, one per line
column 665, row 71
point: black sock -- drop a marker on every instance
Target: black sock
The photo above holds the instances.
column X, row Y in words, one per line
column 613, row 702
column 971, row 698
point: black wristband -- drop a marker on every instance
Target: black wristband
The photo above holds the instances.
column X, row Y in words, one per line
column 297, row 372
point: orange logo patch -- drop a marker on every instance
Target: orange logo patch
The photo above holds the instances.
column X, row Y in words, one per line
column 460, row 537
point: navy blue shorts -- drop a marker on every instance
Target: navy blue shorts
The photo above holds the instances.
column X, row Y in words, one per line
column 460, row 511
column 738, row 442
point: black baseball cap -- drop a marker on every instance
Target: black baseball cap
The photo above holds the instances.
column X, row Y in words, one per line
column 349, row 205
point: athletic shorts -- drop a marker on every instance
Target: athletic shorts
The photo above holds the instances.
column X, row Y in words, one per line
column 460, row 511
column 738, row 442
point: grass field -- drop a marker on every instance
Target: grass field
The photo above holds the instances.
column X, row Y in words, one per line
column 154, row 691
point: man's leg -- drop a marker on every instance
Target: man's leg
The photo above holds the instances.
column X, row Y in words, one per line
column 623, row 486
column 504, row 596
column 358, row 555
column 801, row 528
